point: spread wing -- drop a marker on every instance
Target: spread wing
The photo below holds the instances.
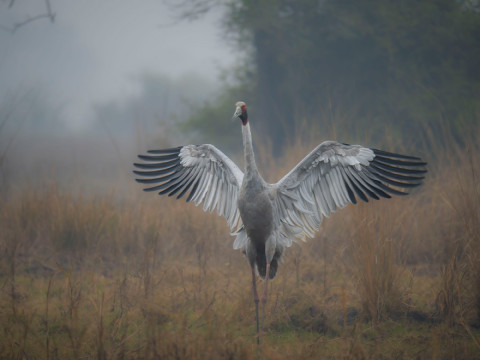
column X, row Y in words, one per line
column 209, row 175
column 332, row 176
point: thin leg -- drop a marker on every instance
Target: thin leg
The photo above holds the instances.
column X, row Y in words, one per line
column 265, row 293
column 255, row 299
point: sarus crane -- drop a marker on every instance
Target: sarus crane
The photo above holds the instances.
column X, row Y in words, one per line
column 267, row 218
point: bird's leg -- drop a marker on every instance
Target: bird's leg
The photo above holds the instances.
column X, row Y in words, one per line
column 265, row 293
column 256, row 300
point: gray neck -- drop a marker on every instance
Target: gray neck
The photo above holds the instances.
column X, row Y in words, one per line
column 250, row 165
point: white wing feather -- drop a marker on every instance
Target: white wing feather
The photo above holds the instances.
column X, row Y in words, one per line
column 328, row 179
column 210, row 176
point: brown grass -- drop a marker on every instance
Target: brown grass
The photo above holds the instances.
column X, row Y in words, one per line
column 142, row 277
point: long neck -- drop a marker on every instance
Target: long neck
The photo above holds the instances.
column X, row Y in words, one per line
column 250, row 165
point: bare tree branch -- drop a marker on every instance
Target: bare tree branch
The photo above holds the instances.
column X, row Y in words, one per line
column 49, row 14
column 193, row 9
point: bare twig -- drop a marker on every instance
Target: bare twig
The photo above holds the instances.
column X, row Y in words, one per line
column 49, row 14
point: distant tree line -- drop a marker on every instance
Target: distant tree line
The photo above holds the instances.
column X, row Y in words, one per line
column 365, row 64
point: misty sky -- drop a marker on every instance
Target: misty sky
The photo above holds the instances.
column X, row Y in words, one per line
column 95, row 50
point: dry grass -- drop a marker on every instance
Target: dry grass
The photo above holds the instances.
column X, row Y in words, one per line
column 97, row 277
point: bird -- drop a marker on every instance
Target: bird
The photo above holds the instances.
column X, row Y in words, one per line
column 267, row 218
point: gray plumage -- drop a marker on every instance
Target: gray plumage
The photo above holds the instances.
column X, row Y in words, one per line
column 267, row 218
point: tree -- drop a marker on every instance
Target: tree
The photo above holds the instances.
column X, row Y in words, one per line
column 371, row 63
column 14, row 109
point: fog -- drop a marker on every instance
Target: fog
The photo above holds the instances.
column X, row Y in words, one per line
column 91, row 266
column 100, row 82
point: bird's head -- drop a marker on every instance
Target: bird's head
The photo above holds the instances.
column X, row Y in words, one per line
column 241, row 112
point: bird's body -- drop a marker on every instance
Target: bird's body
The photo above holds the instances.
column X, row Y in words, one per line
column 255, row 203
column 256, row 206
column 267, row 218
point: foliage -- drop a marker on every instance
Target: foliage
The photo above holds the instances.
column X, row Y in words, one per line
column 377, row 64
column 211, row 122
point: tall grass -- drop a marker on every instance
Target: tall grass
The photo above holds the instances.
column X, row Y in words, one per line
column 141, row 277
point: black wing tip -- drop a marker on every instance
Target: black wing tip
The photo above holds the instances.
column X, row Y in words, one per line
column 167, row 164
column 166, row 151
column 140, row 173
column 161, row 158
column 161, row 164
column 166, row 154
column 395, row 155
column 389, row 189
column 150, row 189
column 148, row 181
column 359, row 192
column 399, row 159
column 192, row 193
column 390, row 168
column 391, row 175
column 350, row 193
column 399, row 162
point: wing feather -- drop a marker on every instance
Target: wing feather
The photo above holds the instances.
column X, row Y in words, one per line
column 201, row 181
column 204, row 187
column 194, row 189
column 190, row 180
column 361, row 183
column 343, row 189
column 332, row 176
column 210, row 176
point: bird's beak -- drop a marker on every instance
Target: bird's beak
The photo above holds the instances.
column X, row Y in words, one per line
column 237, row 113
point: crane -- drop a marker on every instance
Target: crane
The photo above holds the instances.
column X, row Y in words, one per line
column 267, row 218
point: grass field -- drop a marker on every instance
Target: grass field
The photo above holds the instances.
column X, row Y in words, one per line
column 143, row 277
